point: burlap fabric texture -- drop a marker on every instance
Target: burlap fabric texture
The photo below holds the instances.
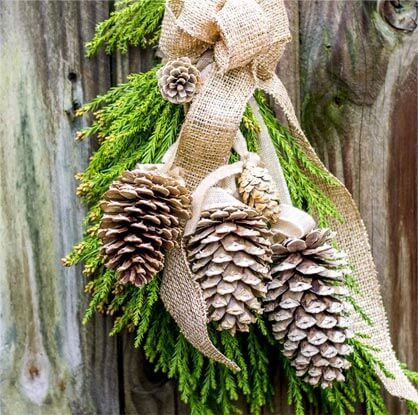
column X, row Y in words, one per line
column 248, row 38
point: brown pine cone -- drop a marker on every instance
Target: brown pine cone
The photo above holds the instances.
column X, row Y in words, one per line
column 179, row 81
column 230, row 255
column 142, row 214
column 306, row 302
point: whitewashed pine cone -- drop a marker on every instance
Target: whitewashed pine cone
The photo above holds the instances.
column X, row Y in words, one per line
column 179, row 81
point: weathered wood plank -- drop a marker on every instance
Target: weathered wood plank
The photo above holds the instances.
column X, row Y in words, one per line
column 359, row 97
column 145, row 392
column 400, row 269
column 48, row 363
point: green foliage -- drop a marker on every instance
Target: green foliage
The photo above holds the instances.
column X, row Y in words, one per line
column 410, row 374
column 412, row 407
column 208, row 387
column 299, row 394
column 413, row 377
column 133, row 23
column 361, row 387
column 134, row 124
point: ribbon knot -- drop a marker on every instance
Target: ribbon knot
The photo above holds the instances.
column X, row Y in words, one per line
column 240, row 32
column 240, row 21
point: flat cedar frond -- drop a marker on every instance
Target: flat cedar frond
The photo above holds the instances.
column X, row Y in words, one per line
column 410, row 374
column 133, row 23
column 134, row 124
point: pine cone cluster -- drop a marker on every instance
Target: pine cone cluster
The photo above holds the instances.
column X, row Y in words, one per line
column 142, row 214
column 306, row 302
column 258, row 190
column 230, row 255
column 179, row 81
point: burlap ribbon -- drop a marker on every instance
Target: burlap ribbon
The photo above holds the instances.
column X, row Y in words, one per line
column 248, row 38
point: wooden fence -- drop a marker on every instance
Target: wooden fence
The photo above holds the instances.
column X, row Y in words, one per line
column 352, row 73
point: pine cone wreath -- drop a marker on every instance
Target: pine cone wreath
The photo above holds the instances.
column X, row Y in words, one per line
column 230, row 255
column 142, row 214
column 306, row 304
column 179, row 81
column 258, row 190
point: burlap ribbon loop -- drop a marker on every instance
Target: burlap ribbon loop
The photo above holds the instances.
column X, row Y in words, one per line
column 238, row 21
column 248, row 38
column 241, row 32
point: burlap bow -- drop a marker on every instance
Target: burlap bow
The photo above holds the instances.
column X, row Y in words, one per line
column 248, row 38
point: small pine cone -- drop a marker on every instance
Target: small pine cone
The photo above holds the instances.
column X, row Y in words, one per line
column 306, row 302
column 258, row 190
column 142, row 213
column 230, row 254
column 179, row 81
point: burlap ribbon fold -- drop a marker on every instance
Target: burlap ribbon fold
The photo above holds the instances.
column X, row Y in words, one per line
column 248, row 38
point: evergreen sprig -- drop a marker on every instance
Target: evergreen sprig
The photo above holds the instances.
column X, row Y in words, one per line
column 413, row 377
column 133, row 23
column 134, row 124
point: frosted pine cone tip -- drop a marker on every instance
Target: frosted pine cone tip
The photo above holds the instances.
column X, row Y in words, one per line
column 179, row 81
column 258, row 190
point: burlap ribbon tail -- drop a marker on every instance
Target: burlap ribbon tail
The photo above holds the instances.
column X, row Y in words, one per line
column 247, row 38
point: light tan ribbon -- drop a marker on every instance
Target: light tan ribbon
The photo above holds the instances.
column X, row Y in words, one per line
column 248, row 38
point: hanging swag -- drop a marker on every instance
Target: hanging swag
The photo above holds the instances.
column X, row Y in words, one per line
column 231, row 246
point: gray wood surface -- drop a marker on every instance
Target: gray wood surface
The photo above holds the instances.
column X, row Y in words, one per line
column 48, row 363
column 359, row 106
column 351, row 72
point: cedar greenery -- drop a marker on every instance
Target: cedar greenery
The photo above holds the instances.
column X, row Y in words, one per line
column 133, row 124
column 132, row 23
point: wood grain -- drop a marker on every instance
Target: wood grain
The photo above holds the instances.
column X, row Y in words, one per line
column 49, row 364
column 359, row 107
